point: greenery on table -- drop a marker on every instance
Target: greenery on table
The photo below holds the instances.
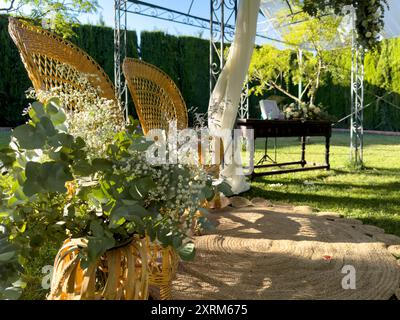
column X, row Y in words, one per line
column 306, row 111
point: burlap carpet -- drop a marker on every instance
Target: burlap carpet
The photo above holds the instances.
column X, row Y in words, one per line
column 260, row 251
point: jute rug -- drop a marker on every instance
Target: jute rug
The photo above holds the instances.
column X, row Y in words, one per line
column 260, row 251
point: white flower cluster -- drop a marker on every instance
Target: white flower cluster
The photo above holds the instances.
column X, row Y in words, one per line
column 89, row 116
column 177, row 189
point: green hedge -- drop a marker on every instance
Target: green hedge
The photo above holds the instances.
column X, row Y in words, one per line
column 97, row 41
column 186, row 60
column 13, row 79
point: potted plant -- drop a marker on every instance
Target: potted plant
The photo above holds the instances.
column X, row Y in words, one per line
column 120, row 215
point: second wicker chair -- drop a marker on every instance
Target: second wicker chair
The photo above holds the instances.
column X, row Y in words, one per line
column 157, row 99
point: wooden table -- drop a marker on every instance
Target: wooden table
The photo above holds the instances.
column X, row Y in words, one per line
column 288, row 128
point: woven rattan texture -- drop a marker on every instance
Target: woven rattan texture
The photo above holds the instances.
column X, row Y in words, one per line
column 52, row 61
column 157, row 99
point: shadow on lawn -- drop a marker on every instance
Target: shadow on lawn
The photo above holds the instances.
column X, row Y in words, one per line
column 379, row 187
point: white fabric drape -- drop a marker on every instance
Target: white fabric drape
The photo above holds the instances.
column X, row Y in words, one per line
column 225, row 99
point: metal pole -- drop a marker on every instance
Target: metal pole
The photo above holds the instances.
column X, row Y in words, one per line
column 357, row 100
column 222, row 44
column 301, row 73
column 120, row 52
column 211, row 46
column 116, row 46
column 125, row 90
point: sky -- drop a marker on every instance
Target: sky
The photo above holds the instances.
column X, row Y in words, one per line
column 140, row 23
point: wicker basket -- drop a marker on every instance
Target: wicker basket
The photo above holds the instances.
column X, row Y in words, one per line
column 121, row 274
column 163, row 264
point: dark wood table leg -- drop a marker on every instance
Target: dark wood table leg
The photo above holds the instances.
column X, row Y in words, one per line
column 303, row 151
column 327, row 152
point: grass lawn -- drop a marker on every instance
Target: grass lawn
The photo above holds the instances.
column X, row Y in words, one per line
column 371, row 195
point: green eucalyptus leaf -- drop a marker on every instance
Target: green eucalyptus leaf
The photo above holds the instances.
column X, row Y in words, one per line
column 134, row 192
column 102, row 164
column 83, row 168
column 46, row 177
column 31, row 188
column 32, row 170
column 79, row 143
column 140, row 145
column 98, row 195
column 225, row 188
column 7, row 256
column 11, row 293
column 97, row 246
column 7, row 156
column 46, row 127
column 28, row 137
column 177, row 241
column 53, row 105
column 187, row 252
column 207, row 193
column 141, row 187
column 37, row 111
column 97, row 228
column 57, row 175
column 131, row 212
column 164, row 235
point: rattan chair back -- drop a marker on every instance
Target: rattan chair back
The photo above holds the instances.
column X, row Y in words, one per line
column 52, row 61
column 157, row 99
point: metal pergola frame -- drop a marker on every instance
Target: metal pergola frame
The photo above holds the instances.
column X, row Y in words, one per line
column 221, row 25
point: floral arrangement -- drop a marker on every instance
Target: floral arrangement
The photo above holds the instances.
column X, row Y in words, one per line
column 89, row 116
column 369, row 16
column 306, row 111
column 59, row 187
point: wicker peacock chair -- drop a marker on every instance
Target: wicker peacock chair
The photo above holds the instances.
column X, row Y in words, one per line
column 52, row 62
column 157, row 99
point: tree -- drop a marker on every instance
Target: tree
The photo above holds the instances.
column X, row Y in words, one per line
column 303, row 63
column 59, row 15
